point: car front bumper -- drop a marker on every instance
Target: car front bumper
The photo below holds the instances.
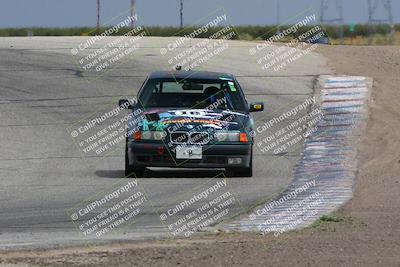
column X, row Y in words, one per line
column 145, row 154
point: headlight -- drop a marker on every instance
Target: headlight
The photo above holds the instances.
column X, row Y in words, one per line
column 151, row 135
column 146, row 135
column 159, row 135
column 227, row 136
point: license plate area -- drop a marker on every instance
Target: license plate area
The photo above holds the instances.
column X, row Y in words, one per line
column 189, row 152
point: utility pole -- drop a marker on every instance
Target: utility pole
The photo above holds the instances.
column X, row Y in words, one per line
column 98, row 16
column 278, row 16
column 325, row 4
column 387, row 4
column 390, row 15
column 181, row 13
column 323, row 7
column 370, row 19
column 133, row 12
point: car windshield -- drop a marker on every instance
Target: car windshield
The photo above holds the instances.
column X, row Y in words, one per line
column 192, row 93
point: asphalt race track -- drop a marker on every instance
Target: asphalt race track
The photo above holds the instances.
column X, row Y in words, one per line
column 43, row 173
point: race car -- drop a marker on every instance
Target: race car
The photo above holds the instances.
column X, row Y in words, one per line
column 190, row 119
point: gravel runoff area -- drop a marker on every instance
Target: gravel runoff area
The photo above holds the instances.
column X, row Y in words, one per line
column 364, row 232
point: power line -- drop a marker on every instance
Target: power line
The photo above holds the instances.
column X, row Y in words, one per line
column 278, row 16
column 133, row 12
column 98, row 16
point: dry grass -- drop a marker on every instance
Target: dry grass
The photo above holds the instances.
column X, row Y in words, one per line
column 378, row 39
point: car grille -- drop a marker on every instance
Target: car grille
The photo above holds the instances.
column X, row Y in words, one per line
column 200, row 138
column 179, row 137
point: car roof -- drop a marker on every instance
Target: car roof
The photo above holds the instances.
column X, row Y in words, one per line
column 190, row 74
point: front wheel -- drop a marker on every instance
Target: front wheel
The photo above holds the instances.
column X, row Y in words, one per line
column 131, row 171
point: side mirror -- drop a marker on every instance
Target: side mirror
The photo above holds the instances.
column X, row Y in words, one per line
column 255, row 107
column 124, row 103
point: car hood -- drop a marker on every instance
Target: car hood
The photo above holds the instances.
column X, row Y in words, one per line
column 157, row 119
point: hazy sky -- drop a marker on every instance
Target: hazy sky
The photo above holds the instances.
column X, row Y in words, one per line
column 66, row 13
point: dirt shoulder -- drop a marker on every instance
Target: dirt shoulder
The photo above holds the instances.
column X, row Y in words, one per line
column 364, row 232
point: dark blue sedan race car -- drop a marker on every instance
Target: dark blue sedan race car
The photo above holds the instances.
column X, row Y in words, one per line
column 188, row 119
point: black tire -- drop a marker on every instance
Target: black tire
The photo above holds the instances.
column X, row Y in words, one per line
column 242, row 172
column 130, row 171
